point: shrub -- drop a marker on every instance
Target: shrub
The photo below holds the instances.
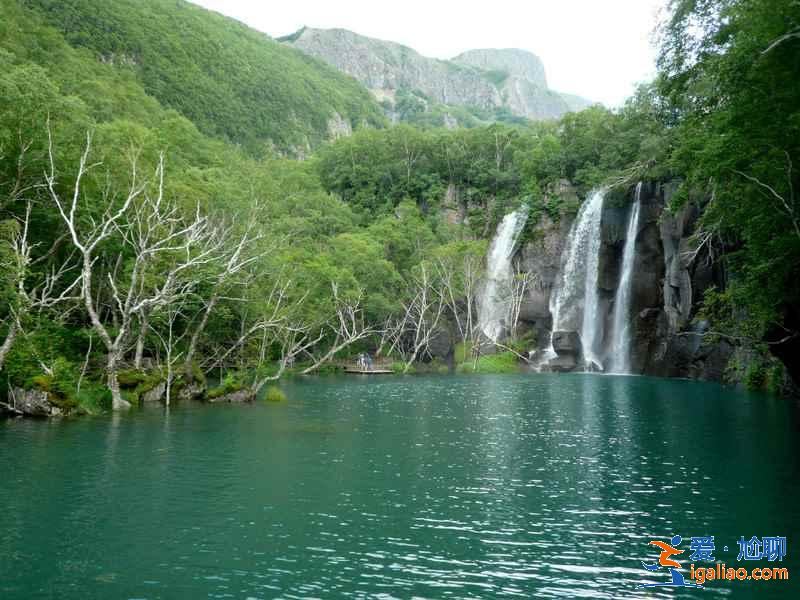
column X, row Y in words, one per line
column 60, row 386
column 130, row 378
column 755, row 376
column 775, row 378
column 229, row 385
column 274, row 394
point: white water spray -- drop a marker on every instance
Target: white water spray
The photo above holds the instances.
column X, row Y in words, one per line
column 621, row 343
column 495, row 304
column 574, row 300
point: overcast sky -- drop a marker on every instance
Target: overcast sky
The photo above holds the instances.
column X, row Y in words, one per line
column 598, row 49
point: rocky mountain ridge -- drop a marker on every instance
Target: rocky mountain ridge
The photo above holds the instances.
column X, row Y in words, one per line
column 509, row 80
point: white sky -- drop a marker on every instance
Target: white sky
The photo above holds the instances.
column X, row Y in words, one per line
column 598, row 49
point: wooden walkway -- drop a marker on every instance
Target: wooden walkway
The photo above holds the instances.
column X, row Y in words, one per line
column 359, row 371
column 379, row 366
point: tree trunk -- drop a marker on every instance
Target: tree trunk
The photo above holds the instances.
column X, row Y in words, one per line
column 328, row 355
column 117, row 401
column 13, row 329
column 187, row 364
column 144, row 326
column 411, row 360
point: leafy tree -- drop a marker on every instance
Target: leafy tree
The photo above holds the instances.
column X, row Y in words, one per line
column 726, row 73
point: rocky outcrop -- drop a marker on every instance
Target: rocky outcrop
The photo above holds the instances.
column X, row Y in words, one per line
column 485, row 79
column 671, row 275
column 541, row 256
column 155, row 394
column 194, row 390
column 339, row 127
column 521, row 79
column 381, row 65
column 237, row 397
column 32, row 403
column 511, row 61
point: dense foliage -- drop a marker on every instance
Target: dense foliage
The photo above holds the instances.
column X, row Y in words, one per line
column 375, row 242
column 229, row 80
column 728, row 73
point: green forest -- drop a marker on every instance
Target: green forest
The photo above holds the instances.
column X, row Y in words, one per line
column 177, row 217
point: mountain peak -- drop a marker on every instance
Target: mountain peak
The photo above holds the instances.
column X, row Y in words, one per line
column 488, row 80
column 514, row 61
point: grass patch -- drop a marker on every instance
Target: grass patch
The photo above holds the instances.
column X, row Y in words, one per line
column 229, row 385
column 503, row 362
column 274, row 394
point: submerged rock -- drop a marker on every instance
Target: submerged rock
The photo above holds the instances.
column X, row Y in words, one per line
column 237, row 397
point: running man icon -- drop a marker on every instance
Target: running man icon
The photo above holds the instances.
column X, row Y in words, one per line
column 664, row 560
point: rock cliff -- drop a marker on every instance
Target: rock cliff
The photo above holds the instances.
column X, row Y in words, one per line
column 486, row 80
column 670, row 278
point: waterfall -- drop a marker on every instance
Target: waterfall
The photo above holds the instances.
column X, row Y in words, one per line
column 621, row 343
column 495, row 302
column 574, row 300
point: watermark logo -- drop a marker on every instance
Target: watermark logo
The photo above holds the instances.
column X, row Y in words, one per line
column 672, row 566
column 703, row 549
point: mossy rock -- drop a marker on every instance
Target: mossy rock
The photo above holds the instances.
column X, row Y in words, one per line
column 224, row 389
column 196, row 375
column 130, row 378
column 57, row 395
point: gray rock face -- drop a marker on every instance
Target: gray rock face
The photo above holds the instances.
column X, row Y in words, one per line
column 670, row 277
column 194, row 391
column 562, row 364
column 567, row 343
column 33, row 403
column 541, row 256
column 381, row 65
column 521, row 79
column 486, row 79
column 516, row 63
column 156, row 394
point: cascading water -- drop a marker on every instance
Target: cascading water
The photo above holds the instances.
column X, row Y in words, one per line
column 495, row 302
column 621, row 342
column 574, row 301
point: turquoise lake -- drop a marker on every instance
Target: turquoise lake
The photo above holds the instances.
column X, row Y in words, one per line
column 508, row 486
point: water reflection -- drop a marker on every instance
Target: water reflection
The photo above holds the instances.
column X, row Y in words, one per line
column 436, row 487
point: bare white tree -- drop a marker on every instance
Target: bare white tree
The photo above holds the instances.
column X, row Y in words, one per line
column 165, row 248
column 422, row 314
column 28, row 297
column 272, row 315
column 518, row 286
column 293, row 339
column 237, row 258
column 169, row 343
column 460, row 281
column 347, row 325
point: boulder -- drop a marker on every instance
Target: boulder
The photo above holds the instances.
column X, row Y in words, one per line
column 33, row 403
column 238, row 397
column 562, row 364
column 567, row 343
column 194, row 391
column 156, row 394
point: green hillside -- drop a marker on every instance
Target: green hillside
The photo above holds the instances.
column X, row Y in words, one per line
column 233, row 82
